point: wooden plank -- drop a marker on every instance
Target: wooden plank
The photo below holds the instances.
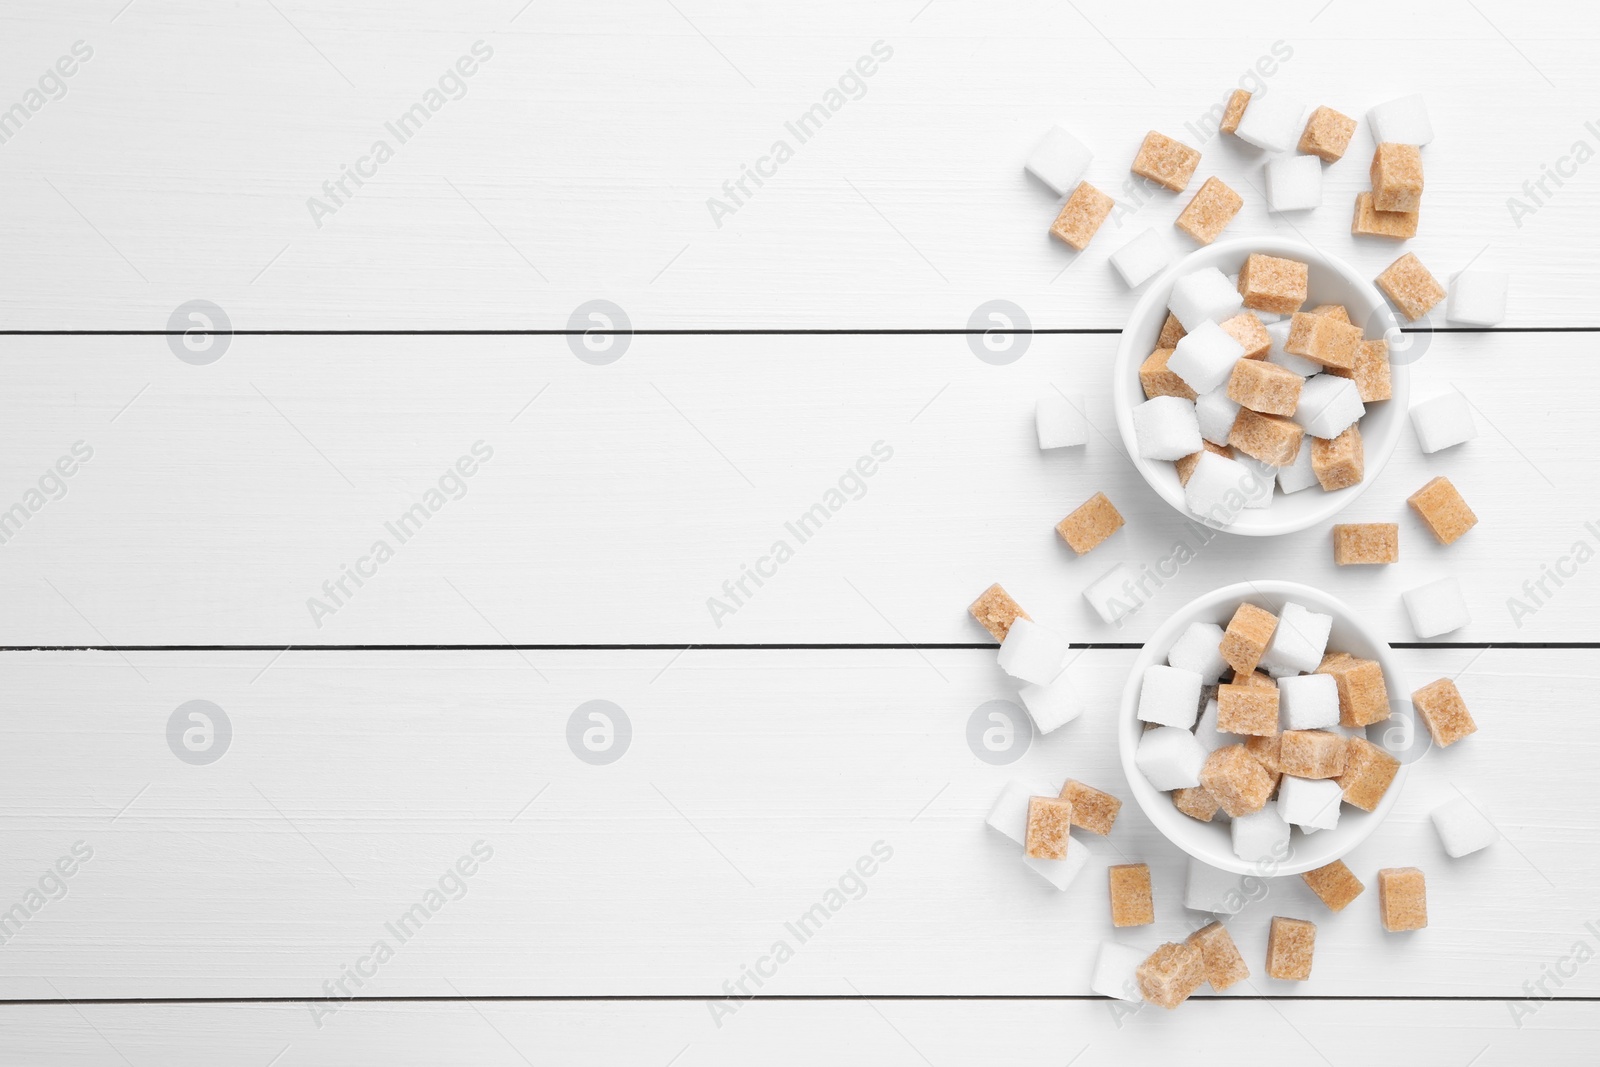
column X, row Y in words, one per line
column 752, row 785
column 619, row 499
column 582, row 158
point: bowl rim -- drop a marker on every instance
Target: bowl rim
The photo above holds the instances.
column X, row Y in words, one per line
column 1157, row 806
column 1126, row 395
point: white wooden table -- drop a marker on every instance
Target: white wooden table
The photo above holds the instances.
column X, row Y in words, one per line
column 421, row 718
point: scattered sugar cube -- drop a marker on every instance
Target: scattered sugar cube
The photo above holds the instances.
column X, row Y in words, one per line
column 1403, row 120
column 997, row 611
column 1329, row 405
column 1262, row 837
column 1443, row 422
column 1272, row 123
column 1092, row 809
column 1294, row 183
column 1247, row 636
column 1032, row 652
column 1409, row 286
column 1205, row 294
column 1396, row 177
column 1196, row 802
column 1166, row 427
column 1309, row 702
column 1437, row 608
column 1224, row 966
column 1209, row 213
column 1368, row 770
column 1053, row 705
column 1170, row 757
column 1130, row 894
column 1247, row 709
column 1169, row 696
column 1090, row 523
column 1402, row 899
column 1361, row 543
column 1082, row 216
column 1205, row 357
column 1237, row 780
column 1172, row 332
column 1158, row 380
column 1298, row 642
column 1251, row 333
column 1363, row 694
column 1209, row 889
column 1142, row 258
column 1271, row 283
column 1311, row 754
column 1009, row 815
column 1171, row 973
column 1478, row 297
column 1110, row 597
column 1462, row 828
column 1290, row 946
column 1215, row 412
column 1060, row 421
column 1238, row 100
column 1323, row 339
column 1298, row 475
column 1370, row 222
column 1341, row 462
column 1166, row 162
column 1049, row 822
column 1327, row 134
column 1198, row 650
column 1442, row 710
column 1272, row 439
column 1278, row 355
column 1372, row 374
column 1059, row 160
column 1334, row 884
column 1264, row 387
column 1063, row 872
column 1187, row 464
column 1209, row 734
column 1218, row 489
column 1114, row 970
column 1442, row 510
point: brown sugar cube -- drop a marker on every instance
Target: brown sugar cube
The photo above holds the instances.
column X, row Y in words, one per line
column 1442, row 510
column 1092, row 809
column 1334, row 885
column 1409, row 285
column 1444, row 712
column 1130, row 895
column 1359, row 543
column 1209, row 213
column 1370, row 222
column 1327, row 134
column 1246, row 709
column 1081, row 216
column 1368, row 770
column 1245, row 640
column 1269, row 283
column 1334, row 311
column 1172, row 332
column 1090, row 523
column 1187, row 464
column 1363, row 696
column 1171, row 973
column 997, row 611
column 1332, row 659
column 1397, row 177
column 1166, row 162
column 1049, row 824
column 1196, row 802
column 1323, row 339
column 1256, row 678
column 1157, row 380
column 1250, row 332
column 1402, row 899
column 1224, row 966
column 1238, row 100
column 1290, row 945
column 1264, row 387
column 1339, row 463
column 1312, row 753
column 1264, row 750
column 1273, row 439
column 1372, row 375
column 1238, row 780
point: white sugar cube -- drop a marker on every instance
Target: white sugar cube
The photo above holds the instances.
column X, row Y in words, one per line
column 1258, row 487
column 1309, row 803
column 1308, row 701
column 1298, row 642
column 1204, row 357
column 1166, row 427
column 1059, row 160
column 1061, row 873
column 1169, row 696
column 1112, row 595
column 1442, row 422
column 1261, row 838
column 1273, row 123
column 1437, row 608
column 1206, row 888
column 1142, row 258
column 1278, row 332
column 1218, row 489
column 1299, row 474
column 1114, row 969
column 1060, row 421
column 1216, row 413
column 1478, row 297
column 1329, row 405
column 1294, row 183
column 1401, row 121
column 1205, row 294
column 1053, row 705
column 1170, row 757
column 1009, row 814
column 1462, row 827
column 1199, row 649
column 1032, row 652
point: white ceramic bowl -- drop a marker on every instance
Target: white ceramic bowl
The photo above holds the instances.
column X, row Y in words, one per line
column 1212, row 842
column 1331, row 281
